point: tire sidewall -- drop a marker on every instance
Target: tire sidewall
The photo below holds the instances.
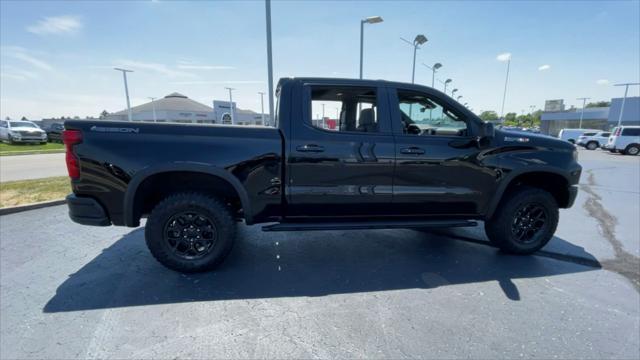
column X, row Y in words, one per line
column 629, row 148
column 213, row 209
column 592, row 145
column 499, row 227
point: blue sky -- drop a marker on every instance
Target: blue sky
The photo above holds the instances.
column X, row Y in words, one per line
column 57, row 57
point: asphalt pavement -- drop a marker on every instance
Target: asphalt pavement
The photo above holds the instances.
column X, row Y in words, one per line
column 23, row 167
column 72, row 291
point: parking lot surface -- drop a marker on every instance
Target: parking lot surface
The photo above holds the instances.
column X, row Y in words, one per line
column 70, row 291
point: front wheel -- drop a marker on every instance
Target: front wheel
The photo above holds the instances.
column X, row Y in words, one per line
column 190, row 232
column 592, row 145
column 524, row 221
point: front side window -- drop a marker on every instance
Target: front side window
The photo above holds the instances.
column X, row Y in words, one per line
column 344, row 109
column 421, row 115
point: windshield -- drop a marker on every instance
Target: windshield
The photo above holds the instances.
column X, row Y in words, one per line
column 22, row 124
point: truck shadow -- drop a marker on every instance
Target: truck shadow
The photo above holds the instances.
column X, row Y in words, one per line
column 271, row 265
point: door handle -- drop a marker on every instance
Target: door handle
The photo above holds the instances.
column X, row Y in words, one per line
column 310, row 148
column 414, row 150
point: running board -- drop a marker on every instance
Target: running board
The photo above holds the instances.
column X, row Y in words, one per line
column 368, row 225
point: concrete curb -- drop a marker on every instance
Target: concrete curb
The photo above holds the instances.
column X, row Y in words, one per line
column 38, row 205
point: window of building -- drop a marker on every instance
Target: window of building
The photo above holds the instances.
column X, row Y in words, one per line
column 344, row 109
column 421, row 115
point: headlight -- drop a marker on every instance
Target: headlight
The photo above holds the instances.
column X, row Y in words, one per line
column 14, row 133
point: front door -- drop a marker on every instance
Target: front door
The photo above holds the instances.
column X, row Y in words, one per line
column 439, row 166
column 341, row 154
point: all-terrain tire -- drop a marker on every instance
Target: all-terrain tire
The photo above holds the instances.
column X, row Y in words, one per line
column 202, row 209
column 504, row 227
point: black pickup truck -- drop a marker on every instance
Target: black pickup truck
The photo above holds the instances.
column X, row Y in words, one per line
column 398, row 156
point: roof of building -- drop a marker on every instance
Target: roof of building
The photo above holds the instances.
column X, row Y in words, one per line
column 172, row 102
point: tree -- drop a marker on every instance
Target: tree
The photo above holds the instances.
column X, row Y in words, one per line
column 24, row 118
column 598, row 104
column 104, row 114
column 488, row 115
column 76, row 117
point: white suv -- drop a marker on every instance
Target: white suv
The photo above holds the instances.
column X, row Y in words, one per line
column 21, row 132
column 593, row 140
column 625, row 139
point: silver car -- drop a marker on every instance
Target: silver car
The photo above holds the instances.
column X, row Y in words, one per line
column 21, row 132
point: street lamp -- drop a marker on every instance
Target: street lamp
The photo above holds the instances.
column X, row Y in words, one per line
column 458, row 98
column 465, row 104
column 584, row 101
column 262, row 106
column 233, row 118
column 624, row 99
column 445, row 84
column 419, row 40
column 531, row 110
column 267, row 8
column 453, row 92
column 433, row 68
column 153, row 105
column 369, row 20
column 504, row 57
column 126, row 89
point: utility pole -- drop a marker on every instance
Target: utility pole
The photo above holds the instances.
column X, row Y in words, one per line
column 153, row 105
column 126, row 89
column 233, row 117
column 267, row 5
column 262, row 106
column 506, row 81
column 584, row 102
column 624, row 99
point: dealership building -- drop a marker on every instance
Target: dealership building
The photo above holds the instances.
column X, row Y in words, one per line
column 555, row 118
column 177, row 107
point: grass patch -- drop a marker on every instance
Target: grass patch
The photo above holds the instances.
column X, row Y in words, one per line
column 24, row 192
column 23, row 149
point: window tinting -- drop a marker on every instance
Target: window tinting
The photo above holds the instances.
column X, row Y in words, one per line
column 344, row 109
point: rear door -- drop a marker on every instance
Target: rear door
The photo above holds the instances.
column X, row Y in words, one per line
column 341, row 153
column 439, row 168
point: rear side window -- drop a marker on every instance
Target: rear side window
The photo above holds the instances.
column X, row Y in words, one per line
column 588, row 134
column 631, row 132
column 344, row 109
column 605, row 134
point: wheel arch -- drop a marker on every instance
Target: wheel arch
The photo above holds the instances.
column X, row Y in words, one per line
column 132, row 218
column 550, row 179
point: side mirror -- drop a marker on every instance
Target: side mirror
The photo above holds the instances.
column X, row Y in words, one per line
column 487, row 130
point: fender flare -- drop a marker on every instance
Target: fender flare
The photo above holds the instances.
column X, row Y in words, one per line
column 507, row 180
column 140, row 176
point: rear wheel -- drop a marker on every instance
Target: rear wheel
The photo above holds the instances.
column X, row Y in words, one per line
column 190, row 232
column 633, row 149
column 524, row 221
column 592, row 145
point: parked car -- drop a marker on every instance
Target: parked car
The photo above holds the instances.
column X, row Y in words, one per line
column 412, row 157
column 21, row 132
column 625, row 140
column 54, row 132
column 593, row 140
column 572, row 135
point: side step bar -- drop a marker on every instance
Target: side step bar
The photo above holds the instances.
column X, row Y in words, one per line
column 368, row 225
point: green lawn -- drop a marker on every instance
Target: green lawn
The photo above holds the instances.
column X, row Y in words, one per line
column 24, row 192
column 24, row 149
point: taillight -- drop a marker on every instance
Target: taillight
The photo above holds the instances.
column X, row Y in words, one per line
column 71, row 138
column 618, row 131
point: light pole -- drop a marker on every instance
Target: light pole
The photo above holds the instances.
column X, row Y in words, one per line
column 458, row 98
column 126, row 89
column 369, row 20
column 445, row 84
column 323, row 122
column 153, row 105
column 262, row 107
column 419, row 40
column 465, row 105
column 584, row 101
column 233, row 118
column 531, row 110
column 624, row 99
column 433, row 68
column 267, row 5
column 504, row 57
column 453, row 92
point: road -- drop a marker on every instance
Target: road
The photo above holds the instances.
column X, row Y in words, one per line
column 71, row 291
column 23, row 167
